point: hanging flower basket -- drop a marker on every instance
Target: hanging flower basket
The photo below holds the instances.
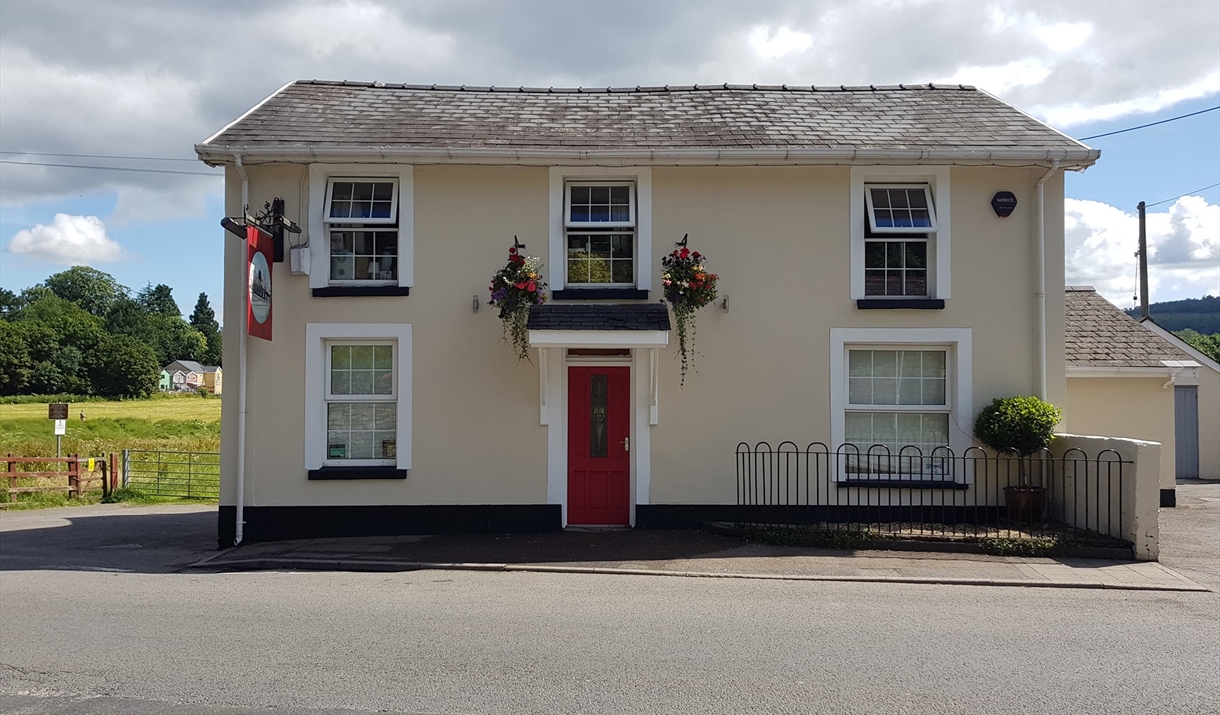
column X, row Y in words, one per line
column 515, row 288
column 688, row 287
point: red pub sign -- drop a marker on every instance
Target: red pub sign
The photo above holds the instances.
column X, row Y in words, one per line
column 258, row 303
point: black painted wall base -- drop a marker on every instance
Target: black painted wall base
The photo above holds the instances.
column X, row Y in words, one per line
column 1169, row 497
column 278, row 523
column 693, row 516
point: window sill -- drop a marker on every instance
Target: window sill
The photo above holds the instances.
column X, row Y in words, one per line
column 599, row 294
column 360, row 291
column 327, row 473
column 902, row 484
column 900, row 304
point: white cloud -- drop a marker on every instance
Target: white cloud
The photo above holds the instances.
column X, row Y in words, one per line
column 781, row 43
column 1063, row 36
column 1066, row 115
column 1183, row 249
column 70, row 240
column 1001, row 78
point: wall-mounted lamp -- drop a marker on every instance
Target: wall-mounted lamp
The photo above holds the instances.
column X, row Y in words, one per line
column 475, row 304
column 1003, row 203
column 724, row 303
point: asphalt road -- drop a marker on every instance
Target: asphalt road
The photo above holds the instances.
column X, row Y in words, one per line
column 119, row 630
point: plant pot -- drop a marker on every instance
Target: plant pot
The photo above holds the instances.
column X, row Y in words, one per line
column 1025, row 504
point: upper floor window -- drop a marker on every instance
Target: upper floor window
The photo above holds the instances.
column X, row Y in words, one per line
column 900, row 236
column 901, row 219
column 362, row 225
column 600, row 234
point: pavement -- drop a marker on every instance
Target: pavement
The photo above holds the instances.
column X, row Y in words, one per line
column 694, row 554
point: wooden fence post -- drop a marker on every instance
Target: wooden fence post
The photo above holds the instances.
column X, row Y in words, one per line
column 73, row 475
column 12, row 478
column 114, row 472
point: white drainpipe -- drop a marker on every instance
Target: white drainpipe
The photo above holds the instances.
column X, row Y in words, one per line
column 1040, row 294
column 241, row 378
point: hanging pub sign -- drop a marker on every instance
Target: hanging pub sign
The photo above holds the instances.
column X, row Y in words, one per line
column 259, row 252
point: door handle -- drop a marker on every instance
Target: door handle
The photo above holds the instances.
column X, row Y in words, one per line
column 626, row 444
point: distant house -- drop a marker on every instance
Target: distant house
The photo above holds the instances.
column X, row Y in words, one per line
column 1119, row 380
column 213, row 379
column 166, row 382
column 195, row 376
column 179, row 378
column 1198, row 399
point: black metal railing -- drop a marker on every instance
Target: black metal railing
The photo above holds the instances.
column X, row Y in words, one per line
column 939, row 494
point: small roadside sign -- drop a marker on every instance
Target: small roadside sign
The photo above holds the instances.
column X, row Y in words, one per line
column 61, row 427
column 57, row 411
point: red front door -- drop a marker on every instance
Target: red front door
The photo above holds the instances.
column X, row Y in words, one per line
column 599, row 458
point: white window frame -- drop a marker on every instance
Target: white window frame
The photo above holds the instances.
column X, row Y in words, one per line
column 371, row 398
column 318, row 339
column 871, row 212
column 339, row 220
column 641, row 213
column 959, row 398
column 936, row 182
column 321, row 178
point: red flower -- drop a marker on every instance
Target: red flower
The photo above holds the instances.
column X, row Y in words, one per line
column 520, row 286
column 531, row 286
column 513, row 250
column 685, row 253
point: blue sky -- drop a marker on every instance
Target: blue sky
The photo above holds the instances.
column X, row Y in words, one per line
column 114, row 83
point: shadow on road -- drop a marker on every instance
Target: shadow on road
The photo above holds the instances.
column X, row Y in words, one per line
column 107, row 537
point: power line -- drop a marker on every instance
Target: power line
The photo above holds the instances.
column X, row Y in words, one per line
column 1151, row 124
column 1188, row 193
column 98, row 156
column 108, row 168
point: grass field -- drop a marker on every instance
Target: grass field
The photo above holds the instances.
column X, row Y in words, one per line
column 187, row 423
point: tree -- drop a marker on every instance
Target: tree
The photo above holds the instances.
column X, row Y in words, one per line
column 158, row 300
column 203, row 319
column 1209, row 345
column 91, row 289
column 10, row 303
column 67, row 322
column 15, row 364
column 124, row 367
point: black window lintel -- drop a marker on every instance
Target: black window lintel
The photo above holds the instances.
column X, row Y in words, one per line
column 900, row 304
column 386, row 472
column 599, row 294
column 360, row 291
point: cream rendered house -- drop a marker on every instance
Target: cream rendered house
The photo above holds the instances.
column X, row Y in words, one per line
column 853, row 229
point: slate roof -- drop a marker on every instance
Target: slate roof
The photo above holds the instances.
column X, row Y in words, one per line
column 1099, row 334
column 625, row 316
column 325, row 115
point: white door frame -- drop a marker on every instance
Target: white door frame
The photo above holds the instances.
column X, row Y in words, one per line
column 553, row 368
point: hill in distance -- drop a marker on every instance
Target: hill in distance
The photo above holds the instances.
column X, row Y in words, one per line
column 1199, row 314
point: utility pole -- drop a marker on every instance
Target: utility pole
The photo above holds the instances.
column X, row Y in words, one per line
column 1143, row 254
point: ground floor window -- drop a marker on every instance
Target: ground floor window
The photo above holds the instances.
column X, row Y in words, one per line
column 358, row 395
column 898, row 405
column 361, row 411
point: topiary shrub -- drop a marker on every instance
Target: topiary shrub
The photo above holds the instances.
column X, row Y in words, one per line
column 1017, row 424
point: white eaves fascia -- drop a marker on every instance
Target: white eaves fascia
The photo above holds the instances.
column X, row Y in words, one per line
column 1181, row 344
column 1076, row 159
column 1108, row 371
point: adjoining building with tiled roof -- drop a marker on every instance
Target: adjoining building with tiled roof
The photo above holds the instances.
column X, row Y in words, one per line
column 889, row 260
column 1126, row 380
